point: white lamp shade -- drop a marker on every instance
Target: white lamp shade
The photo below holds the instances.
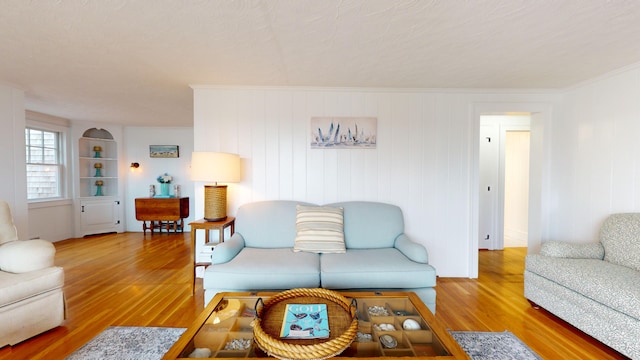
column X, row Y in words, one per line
column 215, row 166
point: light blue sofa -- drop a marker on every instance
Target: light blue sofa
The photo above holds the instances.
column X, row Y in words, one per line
column 379, row 256
column 594, row 287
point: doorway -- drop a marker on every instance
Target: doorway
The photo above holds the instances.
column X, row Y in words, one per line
column 504, row 181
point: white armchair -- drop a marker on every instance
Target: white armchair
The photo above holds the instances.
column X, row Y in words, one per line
column 31, row 297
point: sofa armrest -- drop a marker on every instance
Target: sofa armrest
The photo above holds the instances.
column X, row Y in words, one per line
column 227, row 250
column 21, row 256
column 412, row 249
column 563, row 249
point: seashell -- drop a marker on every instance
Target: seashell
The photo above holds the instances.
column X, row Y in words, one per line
column 200, row 353
column 388, row 341
column 387, row 327
column 378, row 311
column 411, row 324
column 384, row 327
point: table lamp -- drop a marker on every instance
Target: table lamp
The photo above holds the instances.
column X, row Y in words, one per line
column 215, row 167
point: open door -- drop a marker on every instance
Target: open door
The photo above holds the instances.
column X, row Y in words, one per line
column 503, row 180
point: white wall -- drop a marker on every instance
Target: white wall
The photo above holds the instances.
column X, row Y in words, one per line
column 136, row 148
column 424, row 161
column 12, row 156
column 595, row 156
column 516, row 188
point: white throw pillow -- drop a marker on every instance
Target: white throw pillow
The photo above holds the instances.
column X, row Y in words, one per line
column 319, row 229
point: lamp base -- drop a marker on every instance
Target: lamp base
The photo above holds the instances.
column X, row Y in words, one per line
column 215, row 202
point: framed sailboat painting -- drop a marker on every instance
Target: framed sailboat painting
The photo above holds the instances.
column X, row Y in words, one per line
column 343, row 132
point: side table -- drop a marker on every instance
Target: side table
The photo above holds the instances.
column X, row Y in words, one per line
column 164, row 212
column 207, row 226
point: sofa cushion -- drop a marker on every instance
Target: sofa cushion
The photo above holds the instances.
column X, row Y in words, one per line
column 609, row 284
column 563, row 249
column 18, row 287
column 268, row 224
column 264, row 269
column 371, row 225
column 319, row 229
column 374, row 268
column 26, row 255
column 620, row 236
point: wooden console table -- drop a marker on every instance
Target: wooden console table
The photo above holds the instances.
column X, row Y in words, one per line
column 167, row 213
column 207, row 226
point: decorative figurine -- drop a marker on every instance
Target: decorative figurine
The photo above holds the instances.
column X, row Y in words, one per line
column 99, row 184
column 97, row 149
column 98, row 167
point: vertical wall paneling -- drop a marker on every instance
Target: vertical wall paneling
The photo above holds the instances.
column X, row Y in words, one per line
column 315, row 158
column 595, row 158
column 422, row 161
column 258, row 154
column 275, row 135
column 384, row 151
column 300, row 144
column 624, row 145
column 246, row 133
column 286, row 145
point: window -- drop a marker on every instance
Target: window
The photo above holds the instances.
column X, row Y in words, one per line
column 44, row 164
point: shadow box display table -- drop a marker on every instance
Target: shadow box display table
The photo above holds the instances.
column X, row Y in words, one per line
column 226, row 328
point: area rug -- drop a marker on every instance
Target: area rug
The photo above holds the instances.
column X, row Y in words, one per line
column 129, row 343
column 481, row 345
column 151, row 343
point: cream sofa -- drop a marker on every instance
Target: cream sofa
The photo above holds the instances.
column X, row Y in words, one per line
column 377, row 255
column 31, row 297
column 594, row 287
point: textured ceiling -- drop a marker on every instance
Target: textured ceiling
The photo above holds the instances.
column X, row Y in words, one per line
column 131, row 62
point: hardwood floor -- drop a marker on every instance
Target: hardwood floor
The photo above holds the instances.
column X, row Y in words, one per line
column 133, row 279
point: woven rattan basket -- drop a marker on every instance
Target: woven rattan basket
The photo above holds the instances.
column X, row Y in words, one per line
column 342, row 322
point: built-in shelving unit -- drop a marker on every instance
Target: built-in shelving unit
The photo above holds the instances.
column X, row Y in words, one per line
column 98, row 182
column 107, row 172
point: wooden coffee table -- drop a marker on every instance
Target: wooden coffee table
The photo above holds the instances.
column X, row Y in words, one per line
column 228, row 317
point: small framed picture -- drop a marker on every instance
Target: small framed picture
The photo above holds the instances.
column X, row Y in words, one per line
column 164, row 151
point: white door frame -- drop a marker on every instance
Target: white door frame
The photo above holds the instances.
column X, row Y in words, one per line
column 541, row 114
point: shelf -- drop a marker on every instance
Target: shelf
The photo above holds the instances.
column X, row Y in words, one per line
column 95, row 158
column 87, row 171
column 104, row 197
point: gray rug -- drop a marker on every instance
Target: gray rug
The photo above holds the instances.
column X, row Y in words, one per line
column 151, row 343
column 481, row 345
column 129, row 343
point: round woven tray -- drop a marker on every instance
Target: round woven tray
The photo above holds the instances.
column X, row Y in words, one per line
column 343, row 325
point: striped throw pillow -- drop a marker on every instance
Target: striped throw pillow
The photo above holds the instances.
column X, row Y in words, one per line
column 319, row 229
